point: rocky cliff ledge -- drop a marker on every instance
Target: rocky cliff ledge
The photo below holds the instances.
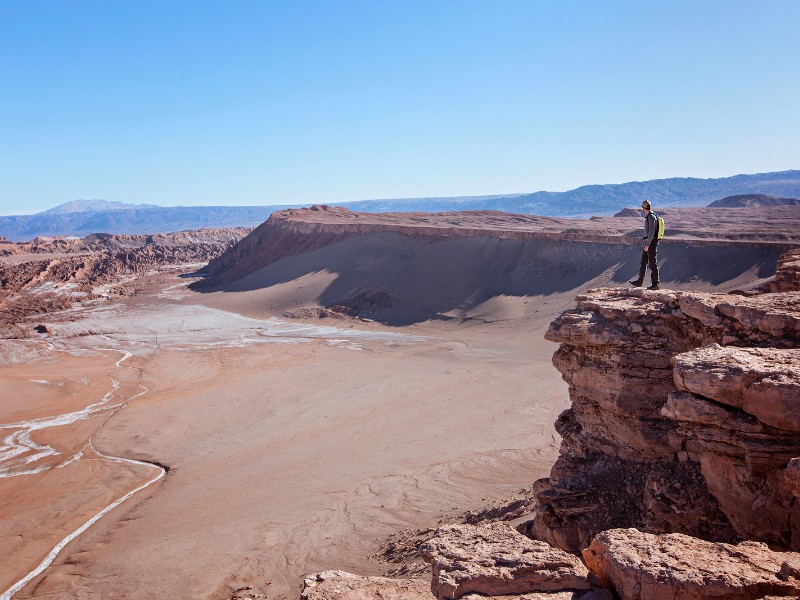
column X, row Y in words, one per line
column 685, row 416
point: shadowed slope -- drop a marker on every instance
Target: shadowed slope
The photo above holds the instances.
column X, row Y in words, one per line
column 406, row 272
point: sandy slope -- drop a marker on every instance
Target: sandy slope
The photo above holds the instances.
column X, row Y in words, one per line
column 399, row 279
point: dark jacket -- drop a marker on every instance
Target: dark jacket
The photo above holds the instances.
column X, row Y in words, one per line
column 650, row 228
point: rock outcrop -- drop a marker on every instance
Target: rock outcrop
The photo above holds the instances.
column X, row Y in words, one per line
column 495, row 560
column 641, row 566
column 470, row 562
column 684, row 417
column 787, row 276
column 51, row 273
column 341, row 585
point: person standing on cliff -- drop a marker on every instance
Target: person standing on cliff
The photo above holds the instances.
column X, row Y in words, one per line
column 650, row 249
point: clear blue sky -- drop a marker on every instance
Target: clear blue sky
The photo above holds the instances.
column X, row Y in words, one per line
column 320, row 101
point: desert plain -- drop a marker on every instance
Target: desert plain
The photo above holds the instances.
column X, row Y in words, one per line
column 291, row 419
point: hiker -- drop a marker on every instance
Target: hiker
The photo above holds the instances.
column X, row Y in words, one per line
column 651, row 239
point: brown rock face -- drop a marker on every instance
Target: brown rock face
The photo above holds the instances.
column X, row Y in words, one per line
column 597, row 594
column 495, row 560
column 641, row 566
column 787, row 277
column 340, row 585
column 684, row 418
column 763, row 382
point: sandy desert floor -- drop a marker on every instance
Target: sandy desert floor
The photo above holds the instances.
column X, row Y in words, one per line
column 289, row 447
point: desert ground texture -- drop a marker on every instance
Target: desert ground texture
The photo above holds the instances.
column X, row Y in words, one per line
column 194, row 444
column 291, row 448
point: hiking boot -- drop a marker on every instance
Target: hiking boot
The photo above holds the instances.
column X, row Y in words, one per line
column 655, row 286
column 635, row 283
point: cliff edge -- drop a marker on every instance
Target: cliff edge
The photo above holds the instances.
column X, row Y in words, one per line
column 685, row 416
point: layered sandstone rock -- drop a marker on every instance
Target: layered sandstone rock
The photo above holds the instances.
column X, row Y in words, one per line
column 684, row 418
column 787, row 277
column 641, row 566
column 494, row 560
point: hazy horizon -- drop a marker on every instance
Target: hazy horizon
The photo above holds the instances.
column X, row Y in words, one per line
column 386, row 198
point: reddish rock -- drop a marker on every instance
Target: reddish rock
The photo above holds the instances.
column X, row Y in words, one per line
column 642, row 566
column 763, row 382
column 597, row 594
column 737, row 414
column 494, row 560
column 787, row 276
column 640, row 450
column 340, row 585
column 792, row 477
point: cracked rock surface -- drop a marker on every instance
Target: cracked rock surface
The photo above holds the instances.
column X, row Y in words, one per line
column 642, row 566
column 494, row 559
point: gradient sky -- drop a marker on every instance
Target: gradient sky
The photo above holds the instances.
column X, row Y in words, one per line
column 317, row 101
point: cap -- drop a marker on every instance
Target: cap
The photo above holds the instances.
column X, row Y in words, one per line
column 646, row 204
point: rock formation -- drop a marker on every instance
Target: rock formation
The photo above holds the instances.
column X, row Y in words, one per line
column 473, row 562
column 49, row 274
column 340, row 585
column 496, row 560
column 684, row 416
column 651, row 567
column 787, row 276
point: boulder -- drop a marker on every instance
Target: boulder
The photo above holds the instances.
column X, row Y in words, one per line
column 495, row 560
column 340, row 585
column 642, row 566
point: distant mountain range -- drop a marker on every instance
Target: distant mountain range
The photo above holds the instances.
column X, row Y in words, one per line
column 77, row 206
column 82, row 217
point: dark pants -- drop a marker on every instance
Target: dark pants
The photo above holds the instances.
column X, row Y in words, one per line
column 649, row 259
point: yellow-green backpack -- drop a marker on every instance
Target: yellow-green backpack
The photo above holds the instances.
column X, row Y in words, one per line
column 659, row 226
